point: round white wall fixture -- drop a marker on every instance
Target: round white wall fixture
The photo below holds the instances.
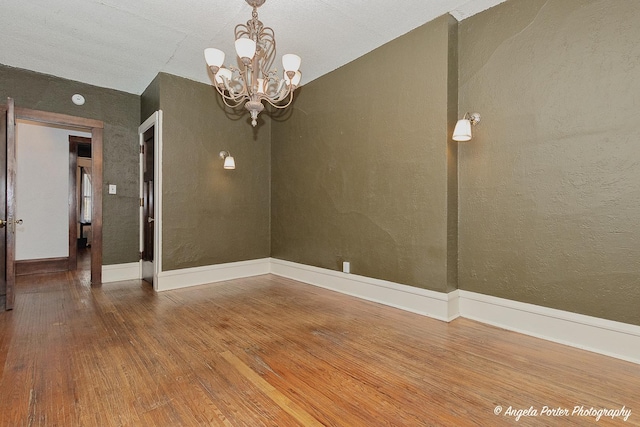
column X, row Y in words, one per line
column 77, row 99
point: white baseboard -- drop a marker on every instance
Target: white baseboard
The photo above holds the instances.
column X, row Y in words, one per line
column 438, row 305
column 616, row 339
column 175, row 279
column 119, row 272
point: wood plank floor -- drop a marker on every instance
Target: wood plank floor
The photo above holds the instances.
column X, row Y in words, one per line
column 268, row 351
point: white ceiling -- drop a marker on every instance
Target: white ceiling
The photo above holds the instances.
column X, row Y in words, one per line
column 123, row 44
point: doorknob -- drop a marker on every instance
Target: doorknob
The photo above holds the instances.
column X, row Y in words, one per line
column 149, row 219
column 2, row 223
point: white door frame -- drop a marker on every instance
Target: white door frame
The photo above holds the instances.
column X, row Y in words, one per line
column 154, row 120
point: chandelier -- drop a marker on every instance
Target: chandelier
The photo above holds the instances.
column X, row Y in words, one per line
column 254, row 81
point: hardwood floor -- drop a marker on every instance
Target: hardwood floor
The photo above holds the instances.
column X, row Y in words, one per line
column 268, row 351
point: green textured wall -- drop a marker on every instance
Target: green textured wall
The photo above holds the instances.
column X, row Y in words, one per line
column 359, row 168
column 120, row 113
column 211, row 215
column 549, row 187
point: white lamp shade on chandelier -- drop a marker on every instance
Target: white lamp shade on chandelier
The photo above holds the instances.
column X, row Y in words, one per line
column 291, row 62
column 214, row 57
column 245, row 48
column 253, row 80
column 223, row 74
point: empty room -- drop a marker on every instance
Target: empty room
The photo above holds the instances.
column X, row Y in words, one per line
column 420, row 213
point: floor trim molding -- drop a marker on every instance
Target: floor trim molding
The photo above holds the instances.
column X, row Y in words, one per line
column 439, row 305
column 119, row 272
column 42, row 265
column 615, row 339
column 176, row 279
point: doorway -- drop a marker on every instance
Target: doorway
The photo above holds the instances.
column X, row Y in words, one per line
column 150, row 135
column 80, row 200
column 9, row 219
column 46, row 197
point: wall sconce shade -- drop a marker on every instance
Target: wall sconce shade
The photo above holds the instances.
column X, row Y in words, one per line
column 462, row 131
column 229, row 161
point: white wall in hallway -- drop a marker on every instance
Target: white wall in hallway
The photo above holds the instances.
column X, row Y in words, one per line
column 42, row 191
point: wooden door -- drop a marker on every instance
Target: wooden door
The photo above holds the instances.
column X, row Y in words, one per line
column 148, row 216
column 7, row 193
column 3, row 204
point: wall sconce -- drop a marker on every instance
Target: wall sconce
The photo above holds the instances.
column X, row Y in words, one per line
column 229, row 162
column 462, row 131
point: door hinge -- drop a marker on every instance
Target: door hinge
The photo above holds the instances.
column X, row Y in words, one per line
column 140, row 254
column 142, row 149
column 141, row 201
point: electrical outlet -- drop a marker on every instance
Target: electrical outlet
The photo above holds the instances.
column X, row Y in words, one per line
column 112, row 189
column 346, row 267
